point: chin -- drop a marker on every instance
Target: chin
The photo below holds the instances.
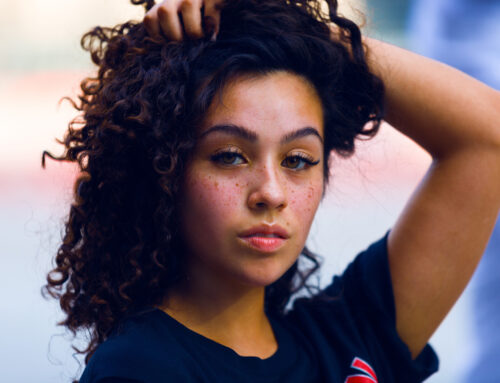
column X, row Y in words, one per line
column 262, row 277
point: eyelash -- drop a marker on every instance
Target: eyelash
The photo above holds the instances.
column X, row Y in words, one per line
column 218, row 158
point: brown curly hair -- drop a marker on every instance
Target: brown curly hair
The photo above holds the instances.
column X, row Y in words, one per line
column 121, row 250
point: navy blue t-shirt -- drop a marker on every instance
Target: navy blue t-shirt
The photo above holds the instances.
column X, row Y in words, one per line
column 345, row 334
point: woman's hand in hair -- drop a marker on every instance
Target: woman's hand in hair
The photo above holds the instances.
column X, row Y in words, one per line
column 176, row 19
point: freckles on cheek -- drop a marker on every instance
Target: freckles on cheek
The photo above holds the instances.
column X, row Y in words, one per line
column 306, row 200
column 212, row 198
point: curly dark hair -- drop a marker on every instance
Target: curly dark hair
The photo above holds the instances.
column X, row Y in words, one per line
column 121, row 250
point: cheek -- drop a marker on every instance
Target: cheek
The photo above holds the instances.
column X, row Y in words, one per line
column 211, row 203
column 304, row 202
column 306, row 199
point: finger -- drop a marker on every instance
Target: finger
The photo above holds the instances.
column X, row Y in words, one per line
column 212, row 15
column 169, row 21
column 151, row 21
column 191, row 18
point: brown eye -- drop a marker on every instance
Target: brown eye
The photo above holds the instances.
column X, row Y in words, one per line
column 298, row 162
column 292, row 162
column 228, row 158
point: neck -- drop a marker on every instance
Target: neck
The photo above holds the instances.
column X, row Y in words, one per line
column 228, row 313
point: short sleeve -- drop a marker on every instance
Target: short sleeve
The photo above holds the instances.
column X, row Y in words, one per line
column 365, row 288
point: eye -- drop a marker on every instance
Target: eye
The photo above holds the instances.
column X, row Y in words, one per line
column 299, row 162
column 228, row 157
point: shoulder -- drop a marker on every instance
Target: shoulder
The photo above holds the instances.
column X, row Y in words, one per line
column 140, row 349
column 355, row 302
column 353, row 318
column 364, row 286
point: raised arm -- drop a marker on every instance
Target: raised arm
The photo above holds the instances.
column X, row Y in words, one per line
column 441, row 234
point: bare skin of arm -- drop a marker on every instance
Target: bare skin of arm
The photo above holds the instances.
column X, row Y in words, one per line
column 442, row 232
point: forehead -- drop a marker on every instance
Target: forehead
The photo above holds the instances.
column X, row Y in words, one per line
column 277, row 103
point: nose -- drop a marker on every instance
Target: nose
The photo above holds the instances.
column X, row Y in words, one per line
column 268, row 191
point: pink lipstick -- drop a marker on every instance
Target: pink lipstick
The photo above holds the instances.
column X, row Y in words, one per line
column 265, row 238
column 264, row 244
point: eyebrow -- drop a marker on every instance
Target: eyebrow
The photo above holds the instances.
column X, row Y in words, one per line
column 248, row 135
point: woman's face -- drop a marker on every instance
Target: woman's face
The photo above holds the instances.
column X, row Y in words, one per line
column 255, row 180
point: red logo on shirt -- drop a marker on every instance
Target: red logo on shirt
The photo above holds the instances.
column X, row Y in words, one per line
column 361, row 365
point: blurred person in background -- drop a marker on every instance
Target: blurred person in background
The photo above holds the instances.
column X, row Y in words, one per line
column 466, row 34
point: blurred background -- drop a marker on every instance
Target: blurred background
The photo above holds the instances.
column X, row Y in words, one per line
column 41, row 62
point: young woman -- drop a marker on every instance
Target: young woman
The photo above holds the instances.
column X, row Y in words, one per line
column 204, row 145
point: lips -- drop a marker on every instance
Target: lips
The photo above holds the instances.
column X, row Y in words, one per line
column 265, row 231
column 265, row 238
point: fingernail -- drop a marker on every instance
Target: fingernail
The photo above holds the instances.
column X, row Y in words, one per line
column 209, row 27
column 214, row 35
